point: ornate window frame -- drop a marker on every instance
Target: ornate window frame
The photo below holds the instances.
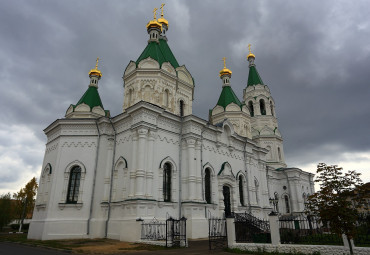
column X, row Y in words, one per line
column 63, row 201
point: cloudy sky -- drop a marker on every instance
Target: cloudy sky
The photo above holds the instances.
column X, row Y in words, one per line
column 314, row 56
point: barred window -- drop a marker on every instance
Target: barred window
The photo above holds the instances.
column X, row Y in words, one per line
column 182, row 106
column 262, row 107
column 251, row 110
column 74, row 185
column 167, row 169
column 207, row 185
column 241, row 193
column 287, row 204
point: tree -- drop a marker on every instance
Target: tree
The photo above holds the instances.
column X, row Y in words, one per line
column 25, row 200
column 5, row 210
column 334, row 202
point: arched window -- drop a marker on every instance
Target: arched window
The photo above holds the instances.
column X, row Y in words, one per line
column 182, row 108
column 207, row 186
column 167, row 170
column 241, row 193
column 304, row 196
column 279, row 153
column 74, row 185
column 287, row 208
column 272, row 108
column 251, row 110
column 262, row 107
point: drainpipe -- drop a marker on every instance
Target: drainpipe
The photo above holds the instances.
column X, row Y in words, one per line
column 246, row 173
column 111, row 179
column 268, row 182
column 94, row 179
column 180, row 160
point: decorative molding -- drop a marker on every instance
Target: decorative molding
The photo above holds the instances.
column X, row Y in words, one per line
column 78, row 206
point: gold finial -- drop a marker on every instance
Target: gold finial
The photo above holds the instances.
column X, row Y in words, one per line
column 225, row 70
column 162, row 9
column 162, row 20
column 155, row 13
column 96, row 71
column 250, row 52
column 154, row 22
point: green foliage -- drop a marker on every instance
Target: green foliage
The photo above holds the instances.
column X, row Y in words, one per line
column 334, row 202
column 263, row 252
column 338, row 200
column 25, row 199
column 5, row 210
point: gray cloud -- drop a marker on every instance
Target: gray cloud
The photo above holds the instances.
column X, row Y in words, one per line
column 314, row 57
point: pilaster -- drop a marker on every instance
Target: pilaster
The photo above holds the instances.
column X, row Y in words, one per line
column 140, row 156
column 191, row 168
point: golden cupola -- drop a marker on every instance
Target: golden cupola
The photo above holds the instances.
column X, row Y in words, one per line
column 162, row 20
column 250, row 55
column 154, row 23
column 225, row 71
column 95, row 71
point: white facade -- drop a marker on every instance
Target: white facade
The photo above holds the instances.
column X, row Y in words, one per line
column 151, row 161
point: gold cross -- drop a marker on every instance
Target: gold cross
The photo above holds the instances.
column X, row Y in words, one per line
column 155, row 13
column 97, row 61
column 249, row 47
column 162, row 9
column 224, row 59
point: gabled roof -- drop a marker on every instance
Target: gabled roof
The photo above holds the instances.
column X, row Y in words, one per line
column 227, row 97
column 91, row 98
column 160, row 52
column 254, row 78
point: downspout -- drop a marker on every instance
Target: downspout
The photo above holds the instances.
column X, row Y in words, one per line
column 111, row 179
column 246, row 173
column 268, row 182
column 180, row 160
column 94, row 179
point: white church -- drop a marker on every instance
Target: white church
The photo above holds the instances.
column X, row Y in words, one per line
column 155, row 159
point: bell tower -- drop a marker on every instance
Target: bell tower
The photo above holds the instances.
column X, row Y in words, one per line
column 261, row 105
column 156, row 76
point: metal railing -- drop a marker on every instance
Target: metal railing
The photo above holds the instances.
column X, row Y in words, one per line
column 217, row 233
column 303, row 229
column 250, row 229
column 154, row 230
column 362, row 236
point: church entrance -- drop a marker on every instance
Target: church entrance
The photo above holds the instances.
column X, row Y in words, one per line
column 227, row 202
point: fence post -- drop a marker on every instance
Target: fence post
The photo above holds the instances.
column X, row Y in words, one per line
column 230, row 230
column 274, row 228
column 345, row 241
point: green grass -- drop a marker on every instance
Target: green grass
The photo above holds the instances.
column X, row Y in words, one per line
column 263, row 252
